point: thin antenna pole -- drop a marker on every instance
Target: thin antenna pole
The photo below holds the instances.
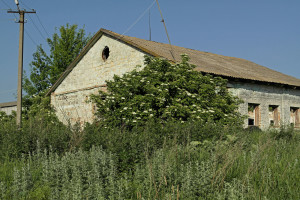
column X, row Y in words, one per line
column 149, row 25
column 163, row 21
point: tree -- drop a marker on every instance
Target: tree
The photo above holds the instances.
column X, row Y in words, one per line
column 162, row 91
column 45, row 69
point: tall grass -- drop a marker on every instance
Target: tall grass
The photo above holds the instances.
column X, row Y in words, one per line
column 171, row 161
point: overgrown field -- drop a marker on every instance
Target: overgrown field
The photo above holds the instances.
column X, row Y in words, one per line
column 170, row 161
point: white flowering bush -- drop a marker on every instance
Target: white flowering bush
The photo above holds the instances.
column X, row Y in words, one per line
column 163, row 91
column 5, row 118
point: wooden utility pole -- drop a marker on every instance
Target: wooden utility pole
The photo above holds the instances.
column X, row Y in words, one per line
column 20, row 62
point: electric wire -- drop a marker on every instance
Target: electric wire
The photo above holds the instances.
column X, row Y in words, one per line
column 25, row 5
column 5, row 20
column 9, row 8
column 139, row 18
column 28, row 35
column 8, row 91
column 42, row 25
column 37, row 18
column 5, row 4
column 37, row 28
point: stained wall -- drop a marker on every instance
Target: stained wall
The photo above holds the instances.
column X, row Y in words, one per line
column 266, row 96
column 71, row 97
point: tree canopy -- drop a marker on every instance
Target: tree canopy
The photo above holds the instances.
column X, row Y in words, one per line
column 163, row 91
column 64, row 46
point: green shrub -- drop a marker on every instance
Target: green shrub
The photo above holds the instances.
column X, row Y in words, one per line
column 236, row 165
column 36, row 132
column 130, row 145
column 165, row 92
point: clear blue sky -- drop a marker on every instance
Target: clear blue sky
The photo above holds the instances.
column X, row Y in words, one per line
column 266, row 32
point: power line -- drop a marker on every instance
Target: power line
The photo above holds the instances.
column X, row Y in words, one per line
column 5, row 20
column 28, row 35
column 140, row 17
column 9, row 8
column 37, row 28
column 20, row 61
column 8, row 91
column 37, row 18
column 42, row 24
column 6, row 4
column 25, row 5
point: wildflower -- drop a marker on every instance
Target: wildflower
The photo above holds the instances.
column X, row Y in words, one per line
column 122, row 97
column 125, row 108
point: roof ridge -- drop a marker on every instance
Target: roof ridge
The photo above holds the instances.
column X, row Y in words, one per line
column 214, row 63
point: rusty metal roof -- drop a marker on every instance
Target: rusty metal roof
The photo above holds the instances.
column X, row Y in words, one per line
column 225, row 66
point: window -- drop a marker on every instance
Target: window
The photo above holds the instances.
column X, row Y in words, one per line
column 105, row 53
column 253, row 114
column 274, row 116
column 295, row 116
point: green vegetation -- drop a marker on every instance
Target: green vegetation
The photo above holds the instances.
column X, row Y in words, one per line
column 193, row 160
column 165, row 92
column 185, row 144
column 47, row 67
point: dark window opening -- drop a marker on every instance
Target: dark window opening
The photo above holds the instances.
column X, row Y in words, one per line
column 253, row 114
column 274, row 115
column 250, row 122
column 295, row 116
column 105, row 53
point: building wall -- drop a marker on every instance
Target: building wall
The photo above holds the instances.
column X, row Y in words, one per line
column 265, row 96
column 70, row 98
column 8, row 110
column 8, row 107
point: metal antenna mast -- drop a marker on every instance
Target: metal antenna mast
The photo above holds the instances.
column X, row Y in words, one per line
column 149, row 25
column 20, row 61
column 163, row 21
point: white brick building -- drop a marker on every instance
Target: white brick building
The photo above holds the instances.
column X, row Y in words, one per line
column 8, row 107
column 270, row 97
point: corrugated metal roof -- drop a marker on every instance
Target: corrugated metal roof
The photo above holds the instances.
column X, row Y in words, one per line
column 205, row 62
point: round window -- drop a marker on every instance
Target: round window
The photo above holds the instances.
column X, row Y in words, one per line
column 105, row 53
